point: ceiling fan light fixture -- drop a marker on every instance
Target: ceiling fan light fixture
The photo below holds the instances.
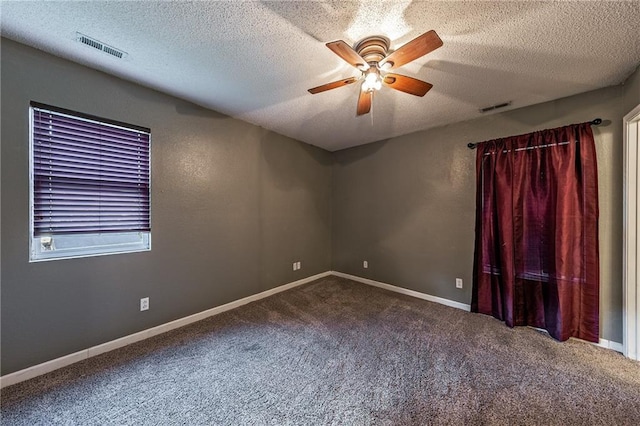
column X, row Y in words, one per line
column 372, row 80
column 372, row 58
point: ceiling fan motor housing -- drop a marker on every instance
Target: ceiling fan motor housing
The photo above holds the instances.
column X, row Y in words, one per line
column 373, row 49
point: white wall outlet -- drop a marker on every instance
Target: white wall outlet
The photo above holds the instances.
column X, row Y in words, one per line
column 144, row 304
column 365, row 264
column 458, row 282
column 295, row 266
column 299, row 265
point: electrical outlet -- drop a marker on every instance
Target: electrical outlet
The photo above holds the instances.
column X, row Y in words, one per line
column 295, row 266
column 299, row 265
column 458, row 282
column 144, row 304
column 365, row 264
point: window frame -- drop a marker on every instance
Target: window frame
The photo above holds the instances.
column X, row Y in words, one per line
column 70, row 246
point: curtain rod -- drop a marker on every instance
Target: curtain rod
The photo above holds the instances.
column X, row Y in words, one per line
column 594, row 122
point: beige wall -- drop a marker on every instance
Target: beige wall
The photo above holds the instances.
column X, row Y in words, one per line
column 407, row 205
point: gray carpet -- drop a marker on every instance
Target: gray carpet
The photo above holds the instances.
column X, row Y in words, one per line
column 338, row 352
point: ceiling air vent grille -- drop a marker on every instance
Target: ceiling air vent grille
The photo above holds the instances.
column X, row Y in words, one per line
column 494, row 107
column 92, row 42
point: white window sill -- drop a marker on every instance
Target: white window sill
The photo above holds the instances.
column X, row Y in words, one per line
column 88, row 245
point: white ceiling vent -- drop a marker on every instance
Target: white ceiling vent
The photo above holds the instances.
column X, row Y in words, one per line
column 96, row 44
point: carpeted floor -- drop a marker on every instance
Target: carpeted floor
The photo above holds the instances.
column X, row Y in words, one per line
column 342, row 353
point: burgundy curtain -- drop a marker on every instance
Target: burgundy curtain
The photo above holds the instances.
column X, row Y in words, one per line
column 536, row 250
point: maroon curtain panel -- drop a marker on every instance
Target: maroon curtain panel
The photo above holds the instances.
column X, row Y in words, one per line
column 536, row 250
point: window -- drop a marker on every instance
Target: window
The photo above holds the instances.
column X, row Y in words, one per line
column 533, row 258
column 89, row 185
column 536, row 252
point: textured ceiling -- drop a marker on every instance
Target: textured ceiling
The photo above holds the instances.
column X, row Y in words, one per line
column 256, row 60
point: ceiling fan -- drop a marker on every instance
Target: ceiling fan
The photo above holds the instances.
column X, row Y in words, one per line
column 371, row 56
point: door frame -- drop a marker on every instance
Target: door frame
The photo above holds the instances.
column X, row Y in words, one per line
column 631, row 240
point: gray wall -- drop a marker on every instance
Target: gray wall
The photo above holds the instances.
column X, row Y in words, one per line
column 407, row 205
column 233, row 205
column 632, row 91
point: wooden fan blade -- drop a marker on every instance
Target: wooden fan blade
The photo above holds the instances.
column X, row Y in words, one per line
column 332, row 85
column 416, row 48
column 345, row 51
column 364, row 102
column 406, row 84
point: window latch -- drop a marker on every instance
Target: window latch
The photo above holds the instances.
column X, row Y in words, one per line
column 47, row 243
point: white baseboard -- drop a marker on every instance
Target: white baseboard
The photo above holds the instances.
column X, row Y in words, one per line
column 48, row 366
column 615, row 346
column 603, row 342
column 54, row 364
column 406, row 291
